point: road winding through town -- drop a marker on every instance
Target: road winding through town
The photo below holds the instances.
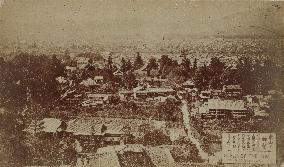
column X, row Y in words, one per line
column 185, row 113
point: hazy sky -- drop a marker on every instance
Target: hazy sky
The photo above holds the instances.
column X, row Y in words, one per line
column 86, row 21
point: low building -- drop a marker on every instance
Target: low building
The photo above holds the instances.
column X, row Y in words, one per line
column 99, row 64
column 129, row 126
column 216, row 93
column 205, row 95
column 94, row 133
column 154, row 82
column 219, row 109
column 70, row 69
column 232, row 90
column 96, row 99
column 99, row 79
column 188, row 85
column 90, row 83
column 153, row 94
column 117, row 156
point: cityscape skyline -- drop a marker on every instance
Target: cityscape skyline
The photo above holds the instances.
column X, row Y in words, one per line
column 99, row 21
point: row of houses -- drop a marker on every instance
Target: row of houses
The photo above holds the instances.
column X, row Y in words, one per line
column 95, row 132
column 147, row 94
column 97, row 81
column 149, row 88
column 96, row 99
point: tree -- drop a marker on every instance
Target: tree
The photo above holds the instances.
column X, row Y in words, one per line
column 186, row 64
column 186, row 67
column 244, row 74
column 109, row 69
column 129, row 65
column 2, row 61
column 230, row 77
column 109, row 62
column 123, row 67
column 40, row 150
column 152, row 64
column 39, row 73
column 258, row 77
column 216, row 68
column 11, row 92
column 138, row 62
column 129, row 80
column 165, row 64
column 202, row 78
column 269, row 74
column 56, row 67
column 126, row 65
column 12, row 150
column 194, row 68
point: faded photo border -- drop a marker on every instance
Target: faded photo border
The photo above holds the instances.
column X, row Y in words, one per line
column 175, row 82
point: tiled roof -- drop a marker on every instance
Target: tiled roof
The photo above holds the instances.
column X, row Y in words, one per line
column 108, row 159
column 84, row 127
column 98, row 95
column 91, row 125
column 98, row 77
column 226, row 104
column 122, row 148
column 160, row 157
column 82, row 59
column 232, row 87
column 188, row 82
column 89, row 82
column 156, row 90
column 51, row 124
column 125, row 91
column 154, row 79
column 176, row 133
column 129, row 155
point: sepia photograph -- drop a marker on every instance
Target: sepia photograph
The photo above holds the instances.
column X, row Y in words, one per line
column 141, row 83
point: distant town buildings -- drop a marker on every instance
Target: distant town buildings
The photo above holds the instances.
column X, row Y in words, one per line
column 232, row 90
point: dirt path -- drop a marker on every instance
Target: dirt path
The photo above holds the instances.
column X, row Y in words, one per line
column 186, row 120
